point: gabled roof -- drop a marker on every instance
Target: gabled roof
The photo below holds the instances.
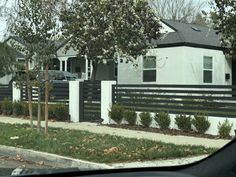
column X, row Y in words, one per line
column 190, row 35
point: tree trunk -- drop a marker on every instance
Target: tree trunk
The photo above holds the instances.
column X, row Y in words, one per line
column 94, row 72
column 46, row 97
column 39, row 108
column 29, row 93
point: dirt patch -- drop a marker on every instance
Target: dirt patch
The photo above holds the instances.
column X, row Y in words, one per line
column 166, row 132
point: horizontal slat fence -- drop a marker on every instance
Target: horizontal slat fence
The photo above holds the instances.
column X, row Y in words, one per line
column 5, row 92
column 213, row 100
column 59, row 93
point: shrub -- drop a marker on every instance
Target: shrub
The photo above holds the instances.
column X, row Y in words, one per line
column 145, row 119
column 61, row 112
column 0, row 107
column 201, row 123
column 163, row 120
column 18, row 108
column 35, row 109
column 116, row 113
column 130, row 116
column 184, row 123
column 224, row 129
column 7, row 107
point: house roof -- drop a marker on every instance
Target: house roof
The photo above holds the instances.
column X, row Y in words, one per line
column 190, row 35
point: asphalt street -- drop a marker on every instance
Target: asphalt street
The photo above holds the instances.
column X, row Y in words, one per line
column 7, row 165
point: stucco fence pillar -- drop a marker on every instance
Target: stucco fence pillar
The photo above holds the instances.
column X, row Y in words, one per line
column 16, row 93
column 106, row 100
column 74, row 103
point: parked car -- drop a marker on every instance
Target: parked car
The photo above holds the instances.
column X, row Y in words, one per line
column 55, row 76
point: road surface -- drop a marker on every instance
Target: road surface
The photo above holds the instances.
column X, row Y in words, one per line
column 7, row 165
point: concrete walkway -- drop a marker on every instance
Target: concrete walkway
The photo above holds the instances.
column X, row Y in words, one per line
column 94, row 128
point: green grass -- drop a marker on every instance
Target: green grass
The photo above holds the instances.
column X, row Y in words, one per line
column 94, row 147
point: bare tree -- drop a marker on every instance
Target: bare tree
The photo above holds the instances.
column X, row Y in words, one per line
column 179, row 10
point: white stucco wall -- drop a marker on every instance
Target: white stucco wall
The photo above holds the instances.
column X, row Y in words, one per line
column 6, row 79
column 178, row 65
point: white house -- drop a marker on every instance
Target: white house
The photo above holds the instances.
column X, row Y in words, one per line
column 185, row 54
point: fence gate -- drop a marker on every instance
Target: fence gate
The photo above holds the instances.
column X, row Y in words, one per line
column 90, row 101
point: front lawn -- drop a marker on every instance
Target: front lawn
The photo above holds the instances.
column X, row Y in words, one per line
column 94, row 147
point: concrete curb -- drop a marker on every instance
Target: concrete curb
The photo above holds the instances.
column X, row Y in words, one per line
column 49, row 159
column 160, row 163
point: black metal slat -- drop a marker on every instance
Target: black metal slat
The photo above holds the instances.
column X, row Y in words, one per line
column 147, row 101
column 175, row 91
column 178, row 96
column 223, row 109
column 176, row 86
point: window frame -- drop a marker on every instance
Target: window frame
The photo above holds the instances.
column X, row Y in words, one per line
column 149, row 69
column 211, row 70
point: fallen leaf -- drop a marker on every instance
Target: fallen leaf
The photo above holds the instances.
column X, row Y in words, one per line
column 14, row 137
column 111, row 150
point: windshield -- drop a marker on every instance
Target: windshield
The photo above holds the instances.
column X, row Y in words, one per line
column 131, row 83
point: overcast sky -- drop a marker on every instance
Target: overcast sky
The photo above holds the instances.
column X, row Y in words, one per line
column 3, row 22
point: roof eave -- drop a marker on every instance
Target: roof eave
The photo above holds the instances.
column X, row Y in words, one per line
column 179, row 44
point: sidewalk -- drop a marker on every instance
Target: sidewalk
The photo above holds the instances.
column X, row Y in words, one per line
column 94, row 128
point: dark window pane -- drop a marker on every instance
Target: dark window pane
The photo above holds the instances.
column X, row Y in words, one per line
column 149, row 76
column 207, row 76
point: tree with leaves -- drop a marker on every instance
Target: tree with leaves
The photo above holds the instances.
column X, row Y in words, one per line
column 224, row 17
column 7, row 60
column 36, row 25
column 185, row 11
column 108, row 29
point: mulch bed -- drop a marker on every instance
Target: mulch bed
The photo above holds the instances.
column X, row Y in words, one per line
column 167, row 132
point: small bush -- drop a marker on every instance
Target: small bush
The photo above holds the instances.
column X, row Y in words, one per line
column 163, row 120
column 201, row 123
column 145, row 119
column 224, row 129
column 130, row 116
column 18, row 108
column 184, row 123
column 116, row 113
column 7, row 107
column 61, row 112
column 0, row 107
column 35, row 109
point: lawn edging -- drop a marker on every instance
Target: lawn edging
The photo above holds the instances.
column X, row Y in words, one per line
column 49, row 159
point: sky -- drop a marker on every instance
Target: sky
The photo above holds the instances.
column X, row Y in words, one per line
column 3, row 21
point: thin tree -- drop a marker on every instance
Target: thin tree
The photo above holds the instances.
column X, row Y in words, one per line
column 179, row 10
column 36, row 24
column 108, row 29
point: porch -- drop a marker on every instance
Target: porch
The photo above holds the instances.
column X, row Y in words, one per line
column 82, row 68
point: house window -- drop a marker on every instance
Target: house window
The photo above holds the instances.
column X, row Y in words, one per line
column 149, row 69
column 207, row 69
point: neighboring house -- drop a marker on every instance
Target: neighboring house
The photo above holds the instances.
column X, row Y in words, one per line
column 185, row 54
column 67, row 60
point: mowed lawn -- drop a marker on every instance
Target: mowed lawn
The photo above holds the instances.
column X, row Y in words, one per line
column 94, row 147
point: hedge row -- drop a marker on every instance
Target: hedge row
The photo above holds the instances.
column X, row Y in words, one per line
column 199, row 122
column 58, row 112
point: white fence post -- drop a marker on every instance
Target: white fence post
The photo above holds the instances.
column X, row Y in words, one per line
column 74, row 100
column 16, row 93
column 106, row 99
